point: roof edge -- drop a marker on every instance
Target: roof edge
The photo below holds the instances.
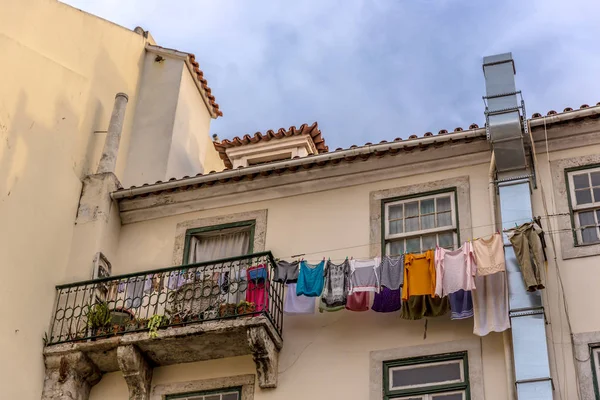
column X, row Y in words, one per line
column 335, row 155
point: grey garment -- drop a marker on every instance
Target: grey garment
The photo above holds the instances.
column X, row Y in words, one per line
column 528, row 247
column 363, row 276
column 135, row 292
column 286, row 272
column 335, row 290
column 391, row 272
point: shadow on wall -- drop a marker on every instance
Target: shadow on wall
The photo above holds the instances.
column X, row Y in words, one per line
column 44, row 154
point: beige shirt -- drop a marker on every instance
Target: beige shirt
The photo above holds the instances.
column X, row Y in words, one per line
column 489, row 255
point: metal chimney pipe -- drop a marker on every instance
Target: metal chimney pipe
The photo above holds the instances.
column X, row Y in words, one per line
column 108, row 161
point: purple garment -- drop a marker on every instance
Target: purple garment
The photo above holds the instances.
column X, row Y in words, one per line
column 461, row 304
column 387, row 300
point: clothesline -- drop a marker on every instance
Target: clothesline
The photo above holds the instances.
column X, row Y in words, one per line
column 300, row 255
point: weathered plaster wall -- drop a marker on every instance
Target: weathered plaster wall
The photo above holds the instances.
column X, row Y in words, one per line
column 323, row 349
column 60, row 72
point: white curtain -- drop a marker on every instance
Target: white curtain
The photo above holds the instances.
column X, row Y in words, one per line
column 210, row 246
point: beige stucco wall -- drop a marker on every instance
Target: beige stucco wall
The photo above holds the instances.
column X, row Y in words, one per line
column 324, row 355
column 60, row 72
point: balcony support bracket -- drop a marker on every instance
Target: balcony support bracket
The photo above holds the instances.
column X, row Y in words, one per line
column 265, row 355
column 137, row 371
column 69, row 377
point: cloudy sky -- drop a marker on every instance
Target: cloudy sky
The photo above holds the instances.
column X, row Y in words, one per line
column 369, row 70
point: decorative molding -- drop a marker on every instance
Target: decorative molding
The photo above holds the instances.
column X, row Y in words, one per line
column 159, row 392
column 582, row 343
column 260, row 229
column 265, row 355
column 303, row 182
column 463, row 205
column 69, row 376
column 136, row 371
column 471, row 346
column 561, row 198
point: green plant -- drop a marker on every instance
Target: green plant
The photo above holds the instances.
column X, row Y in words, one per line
column 245, row 307
column 98, row 316
column 155, row 322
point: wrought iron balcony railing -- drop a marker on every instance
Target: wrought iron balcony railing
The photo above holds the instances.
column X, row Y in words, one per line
column 146, row 301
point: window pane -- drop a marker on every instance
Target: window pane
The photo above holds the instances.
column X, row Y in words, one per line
column 230, row 396
column 395, row 212
column 583, row 196
column 412, row 224
column 396, row 248
column 444, row 219
column 588, row 235
column 443, row 204
column 411, row 209
column 429, row 242
column 581, row 181
column 213, row 397
column 413, row 245
column 596, row 194
column 395, row 226
column 449, row 396
column 595, row 178
column 428, row 221
column 427, row 374
column 427, row 206
column 446, row 240
column 586, row 218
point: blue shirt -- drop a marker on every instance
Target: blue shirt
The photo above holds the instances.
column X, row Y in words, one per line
column 310, row 279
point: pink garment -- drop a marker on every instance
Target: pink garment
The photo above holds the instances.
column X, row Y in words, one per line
column 455, row 270
column 257, row 288
column 358, row 301
column 489, row 254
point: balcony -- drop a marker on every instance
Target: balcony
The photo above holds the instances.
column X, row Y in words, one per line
column 222, row 308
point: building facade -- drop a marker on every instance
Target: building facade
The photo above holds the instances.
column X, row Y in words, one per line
column 169, row 290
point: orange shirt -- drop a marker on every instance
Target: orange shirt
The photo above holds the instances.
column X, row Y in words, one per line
column 419, row 275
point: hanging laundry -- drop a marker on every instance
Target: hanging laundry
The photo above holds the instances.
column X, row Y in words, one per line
column 358, row 301
column 363, row 275
column 527, row 245
column 297, row 304
column 134, row 292
column 490, row 304
column 286, row 272
column 422, row 306
column 336, row 286
column 311, row 279
column 391, row 272
column 455, row 270
column 258, row 286
column 419, row 275
column 387, row 300
column 461, row 304
column 489, row 255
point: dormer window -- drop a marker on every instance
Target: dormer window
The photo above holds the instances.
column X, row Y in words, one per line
column 271, row 146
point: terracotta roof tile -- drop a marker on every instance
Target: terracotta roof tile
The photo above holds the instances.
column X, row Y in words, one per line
column 312, row 130
column 204, row 84
column 565, row 110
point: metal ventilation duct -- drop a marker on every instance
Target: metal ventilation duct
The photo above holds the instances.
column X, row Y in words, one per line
column 504, row 121
column 506, row 128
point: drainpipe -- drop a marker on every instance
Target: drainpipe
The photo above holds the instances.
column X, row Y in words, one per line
column 108, row 161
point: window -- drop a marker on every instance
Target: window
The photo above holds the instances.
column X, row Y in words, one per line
column 418, row 223
column 595, row 358
column 217, row 242
column 584, row 188
column 225, row 394
column 441, row 377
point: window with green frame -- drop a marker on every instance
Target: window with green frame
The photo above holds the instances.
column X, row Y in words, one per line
column 436, row 377
column 222, row 394
column 218, row 241
column 583, row 185
column 416, row 223
column 595, row 360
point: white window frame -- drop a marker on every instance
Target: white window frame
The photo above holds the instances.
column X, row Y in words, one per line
column 425, row 365
column 576, row 209
column 423, row 232
column 432, row 396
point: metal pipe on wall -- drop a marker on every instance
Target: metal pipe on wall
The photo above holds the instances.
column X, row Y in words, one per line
column 108, row 161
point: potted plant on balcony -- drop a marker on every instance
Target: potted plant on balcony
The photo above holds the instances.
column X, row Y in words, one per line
column 155, row 322
column 98, row 318
column 245, row 307
column 227, row 310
